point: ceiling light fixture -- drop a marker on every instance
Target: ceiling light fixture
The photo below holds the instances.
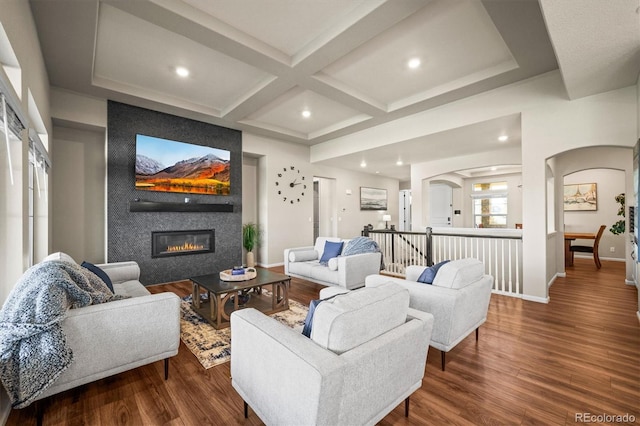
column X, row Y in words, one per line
column 413, row 63
column 363, row 164
column 494, row 168
column 399, row 163
column 306, row 113
column 182, row 71
column 503, row 138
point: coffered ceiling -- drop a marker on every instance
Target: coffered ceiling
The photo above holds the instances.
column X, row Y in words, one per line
column 257, row 65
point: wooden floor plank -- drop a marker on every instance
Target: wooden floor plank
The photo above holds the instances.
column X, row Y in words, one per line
column 535, row 364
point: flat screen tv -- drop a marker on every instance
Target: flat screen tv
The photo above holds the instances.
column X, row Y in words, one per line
column 170, row 166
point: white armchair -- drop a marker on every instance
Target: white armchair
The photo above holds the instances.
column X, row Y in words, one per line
column 458, row 299
column 367, row 353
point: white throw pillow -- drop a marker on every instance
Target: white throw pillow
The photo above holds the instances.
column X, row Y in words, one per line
column 302, row 256
column 333, row 264
column 459, row 273
column 60, row 256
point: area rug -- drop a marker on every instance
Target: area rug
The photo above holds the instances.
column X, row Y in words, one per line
column 212, row 347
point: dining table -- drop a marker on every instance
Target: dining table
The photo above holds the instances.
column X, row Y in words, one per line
column 570, row 236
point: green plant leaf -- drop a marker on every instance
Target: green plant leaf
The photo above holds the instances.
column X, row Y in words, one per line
column 619, row 227
column 249, row 236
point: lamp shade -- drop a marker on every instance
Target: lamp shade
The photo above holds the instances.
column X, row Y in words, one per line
column 386, row 217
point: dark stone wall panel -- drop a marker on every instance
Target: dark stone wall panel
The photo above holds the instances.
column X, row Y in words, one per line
column 129, row 233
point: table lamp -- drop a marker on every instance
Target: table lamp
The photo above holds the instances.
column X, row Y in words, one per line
column 386, row 218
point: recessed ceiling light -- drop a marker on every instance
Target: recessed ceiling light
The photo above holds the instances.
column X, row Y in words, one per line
column 363, row 164
column 413, row 63
column 306, row 113
column 182, row 71
column 494, row 168
column 503, row 138
column 399, row 163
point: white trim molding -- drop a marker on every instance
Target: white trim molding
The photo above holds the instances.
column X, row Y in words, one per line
column 535, row 298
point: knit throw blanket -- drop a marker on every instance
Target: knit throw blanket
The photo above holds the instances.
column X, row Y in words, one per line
column 33, row 346
column 359, row 245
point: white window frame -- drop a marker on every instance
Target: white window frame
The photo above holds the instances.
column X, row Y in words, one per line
column 486, row 195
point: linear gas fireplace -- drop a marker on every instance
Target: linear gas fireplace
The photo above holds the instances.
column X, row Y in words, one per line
column 178, row 243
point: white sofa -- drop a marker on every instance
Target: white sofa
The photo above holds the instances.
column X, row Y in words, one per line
column 367, row 354
column 458, row 299
column 119, row 335
column 345, row 271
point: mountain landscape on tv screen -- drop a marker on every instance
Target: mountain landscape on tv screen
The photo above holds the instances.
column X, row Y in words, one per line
column 202, row 175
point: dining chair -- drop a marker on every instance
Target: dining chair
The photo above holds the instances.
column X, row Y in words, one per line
column 590, row 249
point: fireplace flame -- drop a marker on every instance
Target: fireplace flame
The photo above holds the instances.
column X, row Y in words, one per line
column 185, row 247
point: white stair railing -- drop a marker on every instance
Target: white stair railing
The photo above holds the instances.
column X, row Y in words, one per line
column 499, row 249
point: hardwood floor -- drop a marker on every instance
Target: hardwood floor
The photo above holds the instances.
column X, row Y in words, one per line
column 534, row 364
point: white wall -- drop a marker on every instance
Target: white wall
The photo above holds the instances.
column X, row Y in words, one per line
column 423, row 173
column 282, row 224
column 551, row 124
column 285, row 225
column 250, row 196
column 327, row 210
column 74, row 108
column 18, row 24
column 558, row 126
column 350, row 218
column 613, row 158
column 78, row 194
column 609, row 184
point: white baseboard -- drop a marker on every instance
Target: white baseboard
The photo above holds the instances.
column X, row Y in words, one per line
column 553, row 279
column 629, row 282
column 535, row 298
column 506, row 293
column 612, row 259
column 271, row 265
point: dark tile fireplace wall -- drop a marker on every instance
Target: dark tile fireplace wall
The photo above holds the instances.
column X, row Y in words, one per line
column 129, row 233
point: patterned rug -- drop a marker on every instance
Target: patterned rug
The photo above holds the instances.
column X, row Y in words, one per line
column 212, row 347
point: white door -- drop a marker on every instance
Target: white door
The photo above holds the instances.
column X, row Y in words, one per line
column 327, row 210
column 440, row 205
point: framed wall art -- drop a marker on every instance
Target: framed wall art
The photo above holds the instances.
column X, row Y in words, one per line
column 580, row 197
column 373, row 198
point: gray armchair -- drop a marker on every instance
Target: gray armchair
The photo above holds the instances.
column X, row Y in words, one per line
column 367, row 354
column 458, row 299
column 109, row 338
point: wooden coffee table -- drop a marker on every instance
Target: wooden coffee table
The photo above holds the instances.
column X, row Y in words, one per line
column 223, row 296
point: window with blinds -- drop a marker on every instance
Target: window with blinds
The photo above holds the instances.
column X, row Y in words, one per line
column 10, row 129
column 12, row 162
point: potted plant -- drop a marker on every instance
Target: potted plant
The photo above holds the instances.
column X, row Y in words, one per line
column 618, row 227
column 249, row 241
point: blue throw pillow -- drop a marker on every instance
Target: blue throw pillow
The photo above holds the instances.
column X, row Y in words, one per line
column 429, row 274
column 100, row 273
column 308, row 321
column 331, row 249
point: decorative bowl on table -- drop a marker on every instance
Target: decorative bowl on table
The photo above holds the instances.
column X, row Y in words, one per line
column 243, row 274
